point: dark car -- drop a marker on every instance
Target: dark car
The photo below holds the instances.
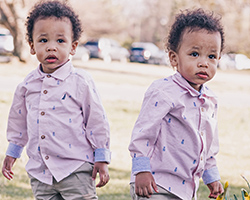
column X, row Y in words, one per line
column 93, row 48
column 146, row 52
column 107, row 49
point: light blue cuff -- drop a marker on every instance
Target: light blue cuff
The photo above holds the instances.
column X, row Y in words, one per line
column 211, row 175
column 14, row 150
column 140, row 164
column 102, row 155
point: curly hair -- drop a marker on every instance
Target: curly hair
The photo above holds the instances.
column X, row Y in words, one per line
column 193, row 21
column 56, row 9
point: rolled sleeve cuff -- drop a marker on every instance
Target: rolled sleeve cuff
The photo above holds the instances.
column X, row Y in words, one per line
column 102, row 155
column 211, row 175
column 140, row 164
column 14, row 150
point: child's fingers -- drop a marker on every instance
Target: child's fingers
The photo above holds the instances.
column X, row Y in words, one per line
column 147, row 193
column 104, row 179
column 94, row 173
column 6, row 170
column 8, row 174
column 155, row 187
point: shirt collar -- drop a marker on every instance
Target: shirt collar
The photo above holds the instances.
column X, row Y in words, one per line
column 61, row 74
column 182, row 82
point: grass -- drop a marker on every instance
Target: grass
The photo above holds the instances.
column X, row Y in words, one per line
column 234, row 127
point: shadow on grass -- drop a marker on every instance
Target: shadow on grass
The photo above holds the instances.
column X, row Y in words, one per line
column 15, row 192
column 118, row 186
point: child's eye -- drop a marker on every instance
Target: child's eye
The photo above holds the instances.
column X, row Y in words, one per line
column 43, row 40
column 212, row 56
column 194, row 54
column 60, row 40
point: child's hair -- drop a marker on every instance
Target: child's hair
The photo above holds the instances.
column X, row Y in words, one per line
column 193, row 21
column 56, row 9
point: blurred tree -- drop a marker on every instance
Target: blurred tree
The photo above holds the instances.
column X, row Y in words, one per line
column 99, row 17
column 10, row 11
column 137, row 20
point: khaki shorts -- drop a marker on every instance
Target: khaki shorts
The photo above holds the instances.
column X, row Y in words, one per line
column 162, row 195
column 78, row 186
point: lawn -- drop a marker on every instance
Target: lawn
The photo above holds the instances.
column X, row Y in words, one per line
column 233, row 89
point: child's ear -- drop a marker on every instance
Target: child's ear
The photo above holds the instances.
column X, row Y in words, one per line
column 173, row 58
column 73, row 48
column 32, row 49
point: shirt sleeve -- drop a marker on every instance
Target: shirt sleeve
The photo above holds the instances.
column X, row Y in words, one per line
column 96, row 122
column 211, row 175
column 147, row 128
column 17, row 127
column 211, row 172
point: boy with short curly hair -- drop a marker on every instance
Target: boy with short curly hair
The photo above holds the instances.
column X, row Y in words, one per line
column 175, row 138
column 57, row 113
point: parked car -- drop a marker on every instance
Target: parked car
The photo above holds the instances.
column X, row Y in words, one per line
column 93, row 48
column 107, row 49
column 6, row 42
column 234, row 61
column 82, row 53
column 146, row 52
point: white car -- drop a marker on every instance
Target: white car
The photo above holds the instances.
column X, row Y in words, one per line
column 107, row 49
column 6, row 42
column 82, row 53
column 234, row 61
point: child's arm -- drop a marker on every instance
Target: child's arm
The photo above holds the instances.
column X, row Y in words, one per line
column 102, row 168
column 7, row 166
column 215, row 188
column 144, row 184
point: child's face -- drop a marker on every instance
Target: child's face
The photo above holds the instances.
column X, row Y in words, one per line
column 52, row 42
column 197, row 57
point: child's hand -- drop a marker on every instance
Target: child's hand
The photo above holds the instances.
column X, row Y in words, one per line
column 215, row 188
column 7, row 166
column 102, row 168
column 144, row 184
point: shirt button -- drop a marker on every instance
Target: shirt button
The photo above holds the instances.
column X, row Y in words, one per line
column 43, row 136
column 202, row 133
column 202, row 109
column 42, row 113
column 48, row 76
column 45, row 91
column 46, row 157
column 201, row 158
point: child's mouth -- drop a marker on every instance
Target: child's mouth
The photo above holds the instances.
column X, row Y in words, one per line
column 202, row 75
column 51, row 59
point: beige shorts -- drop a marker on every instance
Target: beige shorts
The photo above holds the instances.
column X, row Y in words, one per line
column 162, row 195
column 78, row 186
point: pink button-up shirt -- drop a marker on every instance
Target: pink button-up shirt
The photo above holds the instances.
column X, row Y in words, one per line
column 60, row 119
column 175, row 136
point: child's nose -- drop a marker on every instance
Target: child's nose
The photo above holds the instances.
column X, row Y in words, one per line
column 51, row 47
column 203, row 63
